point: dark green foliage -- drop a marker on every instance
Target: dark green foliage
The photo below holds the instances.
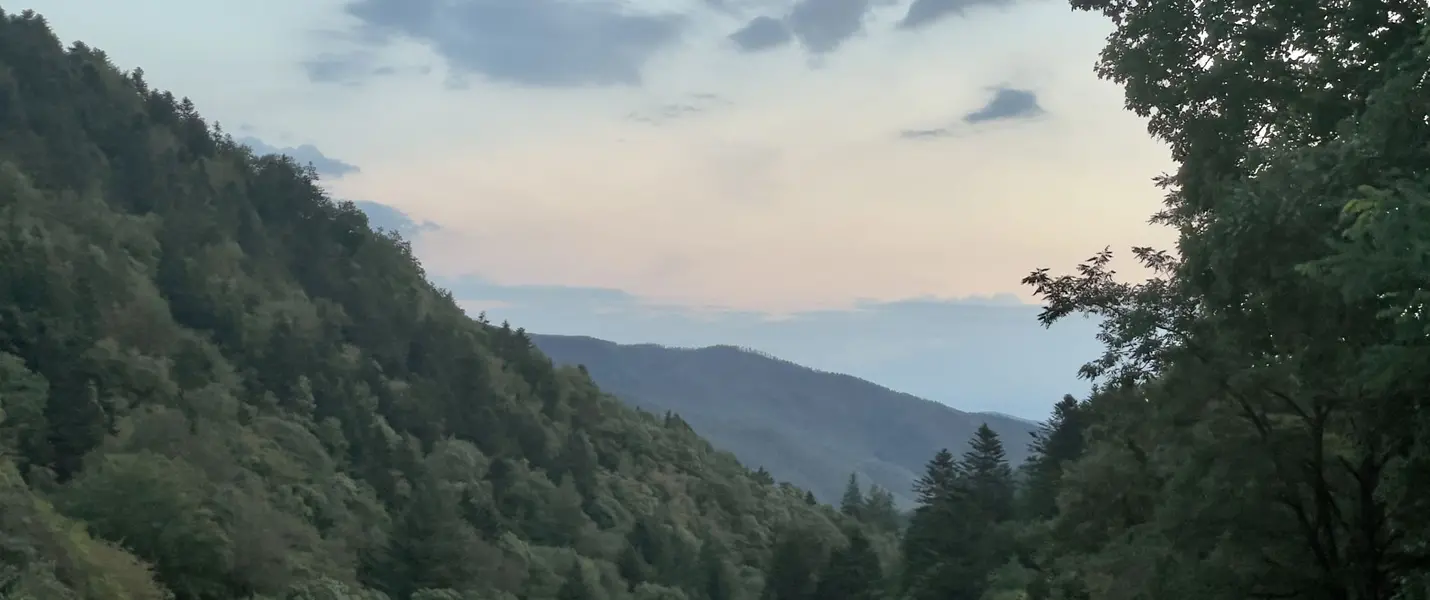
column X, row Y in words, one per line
column 206, row 361
column 1056, row 443
column 938, row 478
column 879, row 509
column 851, row 573
column 217, row 383
column 958, row 535
column 794, row 566
column 985, row 475
column 852, row 504
column 1260, row 426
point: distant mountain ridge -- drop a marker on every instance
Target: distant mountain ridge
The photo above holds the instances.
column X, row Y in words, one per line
column 805, row 425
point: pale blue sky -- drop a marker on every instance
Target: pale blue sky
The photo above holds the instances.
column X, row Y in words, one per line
column 740, row 158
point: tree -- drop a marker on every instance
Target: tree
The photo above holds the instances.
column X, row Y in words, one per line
column 1057, row 442
column 23, row 395
column 575, row 586
column 794, row 565
column 880, row 510
column 218, row 382
column 718, row 582
column 957, row 538
column 1274, row 409
column 852, row 504
column 938, row 478
column 987, row 476
column 852, row 572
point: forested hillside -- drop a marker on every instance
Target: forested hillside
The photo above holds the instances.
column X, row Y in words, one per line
column 809, row 427
column 1261, row 428
column 217, row 383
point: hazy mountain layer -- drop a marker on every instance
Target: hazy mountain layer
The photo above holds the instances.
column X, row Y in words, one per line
column 806, row 426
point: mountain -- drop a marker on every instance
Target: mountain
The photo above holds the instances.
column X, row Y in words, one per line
column 808, row 426
column 217, row 383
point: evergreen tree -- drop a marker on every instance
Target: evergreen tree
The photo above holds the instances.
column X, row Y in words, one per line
column 938, row 478
column 218, row 382
column 957, row 540
column 1057, row 442
column 764, row 476
column 852, row 503
column 632, row 567
column 852, row 572
column 987, row 476
column 879, row 509
column 719, row 583
column 793, row 566
column 575, row 586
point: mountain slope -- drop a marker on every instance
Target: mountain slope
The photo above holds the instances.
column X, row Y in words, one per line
column 810, row 427
column 216, row 383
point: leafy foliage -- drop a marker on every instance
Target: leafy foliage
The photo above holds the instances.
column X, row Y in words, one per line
column 218, row 383
column 1260, row 425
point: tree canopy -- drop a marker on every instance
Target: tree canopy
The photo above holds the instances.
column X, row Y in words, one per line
column 218, row 383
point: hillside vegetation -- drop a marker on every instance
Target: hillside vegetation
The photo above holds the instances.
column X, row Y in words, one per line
column 217, row 383
column 809, row 427
column 1262, row 428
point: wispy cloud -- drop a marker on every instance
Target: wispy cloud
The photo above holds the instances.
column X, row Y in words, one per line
column 789, row 195
column 1006, row 104
column 575, row 154
column 925, row 134
column 823, row 25
column 761, row 33
column 926, row 12
column 688, row 105
column 304, row 154
column 531, row 42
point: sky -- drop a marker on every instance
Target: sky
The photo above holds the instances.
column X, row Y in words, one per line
column 858, row 185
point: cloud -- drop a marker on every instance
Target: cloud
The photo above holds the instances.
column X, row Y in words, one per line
column 689, row 105
column 337, row 68
column 352, row 68
column 925, row 134
column 925, row 12
column 304, row 154
column 1006, row 104
column 382, row 216
column 761, row 33
column 799, row 195
column 824, row 25
column 545, row 43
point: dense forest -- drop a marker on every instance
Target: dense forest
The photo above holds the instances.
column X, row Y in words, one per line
column 218, row 383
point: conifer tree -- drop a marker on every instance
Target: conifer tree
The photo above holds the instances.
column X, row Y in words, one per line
column 988, row 477
column 1056, row 443
column 793, row 566
column 852, row 504
column 938, row 478
column 879, row 509
column 852, row 572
